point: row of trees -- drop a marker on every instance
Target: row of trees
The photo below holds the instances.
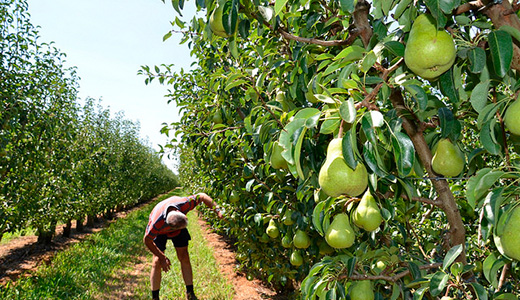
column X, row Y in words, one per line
column 300, row 73
column 60, row 161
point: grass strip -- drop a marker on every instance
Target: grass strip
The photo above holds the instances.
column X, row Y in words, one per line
column 89, row 269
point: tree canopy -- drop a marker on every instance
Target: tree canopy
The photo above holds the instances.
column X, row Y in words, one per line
column 298, row 74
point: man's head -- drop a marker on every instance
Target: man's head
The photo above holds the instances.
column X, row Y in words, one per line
column 176, row 219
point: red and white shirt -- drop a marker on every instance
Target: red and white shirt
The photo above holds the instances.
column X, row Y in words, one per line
column 157, row 220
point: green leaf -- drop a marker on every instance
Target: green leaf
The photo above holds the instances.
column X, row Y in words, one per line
column 479, row 184
column 349, row 144
column 404, row 153
column 418, row 94
column 395, row 47
column 438, row 283
column 492, row 205
column 447, row 121
column 515, row 33
column 167, row 36
column 347, row 111
column 330, row 124
column 506, row 296
column 481, row 291
column 479, row 96
column 351, row 53
column 448, row 87
column 347, row 5
column 278, row 6
column 451, row 256
column 501, row 47
column 488, row 139
column 477, row 59
column 437, row 9
column 297, row 153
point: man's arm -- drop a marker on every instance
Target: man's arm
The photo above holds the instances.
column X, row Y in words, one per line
column 165, row 262
column 208, row 201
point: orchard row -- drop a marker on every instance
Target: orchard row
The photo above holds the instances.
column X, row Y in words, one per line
column 60, row 161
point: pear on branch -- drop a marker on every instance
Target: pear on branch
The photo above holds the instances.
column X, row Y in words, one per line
column 367, row 214
column 512, row 117
column 301, row 240
column 447, row 159
column 339, row 234
column 337, row 178
column 277, row 161
column 509, row 237
column 272, row 230
column 362, row 290
column 429, row 52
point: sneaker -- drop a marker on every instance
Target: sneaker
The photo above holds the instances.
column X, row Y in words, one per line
column 191, row 296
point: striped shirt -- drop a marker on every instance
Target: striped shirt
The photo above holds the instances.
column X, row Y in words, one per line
column 157, row 220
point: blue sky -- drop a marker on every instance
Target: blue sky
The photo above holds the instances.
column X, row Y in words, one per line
column 108, row 41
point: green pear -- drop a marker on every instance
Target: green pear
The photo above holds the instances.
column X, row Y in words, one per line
column 272, row 230
column 324, row 248
column 512, row 117
column 362, row 290
column 337, row 178
column 301, row 240
column 287, row 241
column 215, row 22
column 509, row 236
column 287, row 217
column 367, row 214
column 447, row 159
column 264, row 238
column 217, row 117
column 234, row 197
column 429, row 52
column 296, row 258
column 277, row 161
column 340, row 235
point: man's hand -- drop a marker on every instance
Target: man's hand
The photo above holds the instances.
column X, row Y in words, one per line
column 165, row 263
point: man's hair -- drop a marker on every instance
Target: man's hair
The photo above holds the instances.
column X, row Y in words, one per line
column 176, row 219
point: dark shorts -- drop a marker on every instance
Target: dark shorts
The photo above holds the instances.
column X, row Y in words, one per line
column 180, row 240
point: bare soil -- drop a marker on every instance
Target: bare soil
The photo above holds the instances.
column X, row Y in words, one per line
column 23, row 255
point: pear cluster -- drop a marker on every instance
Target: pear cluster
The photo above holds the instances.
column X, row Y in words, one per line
column 337, row 178
column 367, row 216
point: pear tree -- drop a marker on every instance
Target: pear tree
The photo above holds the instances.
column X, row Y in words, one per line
column 411, row 102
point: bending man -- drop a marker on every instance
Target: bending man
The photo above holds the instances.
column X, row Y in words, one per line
column 168, row 221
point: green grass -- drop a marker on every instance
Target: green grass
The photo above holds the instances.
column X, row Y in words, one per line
column 94, row 269
column 9, row 236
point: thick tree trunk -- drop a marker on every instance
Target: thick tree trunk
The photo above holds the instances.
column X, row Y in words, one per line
column 90, row 220
column 67, row 229
column 445, row 199
column 79, row 225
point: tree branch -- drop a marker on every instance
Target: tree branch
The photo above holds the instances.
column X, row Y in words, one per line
column 446, row 201
column 392, row 279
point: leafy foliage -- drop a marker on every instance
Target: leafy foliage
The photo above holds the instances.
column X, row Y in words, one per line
column 303, row 72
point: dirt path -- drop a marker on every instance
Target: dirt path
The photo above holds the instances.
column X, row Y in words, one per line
column 23, row 255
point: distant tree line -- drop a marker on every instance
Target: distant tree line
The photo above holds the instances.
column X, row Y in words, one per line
column 60, row 160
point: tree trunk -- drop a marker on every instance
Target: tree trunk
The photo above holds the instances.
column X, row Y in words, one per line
column 445, row 199
column 79, row 225
column 90, row 220
column 67, row 229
